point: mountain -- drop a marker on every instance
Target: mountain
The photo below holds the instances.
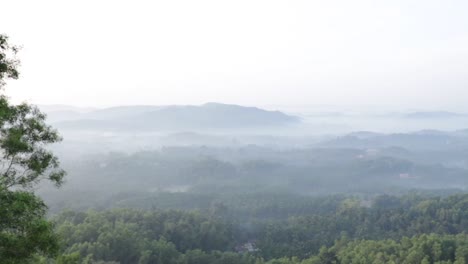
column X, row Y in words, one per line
column 435, row 114
column 176, row 117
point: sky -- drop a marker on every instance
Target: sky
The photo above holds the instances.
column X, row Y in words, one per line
column 410, row 54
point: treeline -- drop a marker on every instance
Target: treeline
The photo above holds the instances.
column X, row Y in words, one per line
column 137, row 236
column 422, row 249
column 355, row 225
column 388, row 217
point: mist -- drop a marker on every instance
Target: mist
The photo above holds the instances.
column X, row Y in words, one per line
column 251, row 132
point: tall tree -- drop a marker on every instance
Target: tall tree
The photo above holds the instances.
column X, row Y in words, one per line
column 24, row 161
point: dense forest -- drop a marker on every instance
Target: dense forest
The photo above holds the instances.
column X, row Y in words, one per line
column 413, row 228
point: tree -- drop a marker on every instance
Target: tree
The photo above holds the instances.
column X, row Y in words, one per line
column 23, row 137
column 24, row 230
column 24, row 161
column 8, row 62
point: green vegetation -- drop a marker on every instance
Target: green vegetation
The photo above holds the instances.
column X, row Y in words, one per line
column 407, row 229
column 25, row 161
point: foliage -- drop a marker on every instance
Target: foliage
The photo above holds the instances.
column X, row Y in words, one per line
column 24, row 229
column 24, row 159
column 333, row 234
column 426, row 248
column 8, row 62
column 23, row 137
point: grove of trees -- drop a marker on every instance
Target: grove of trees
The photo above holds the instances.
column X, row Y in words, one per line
column 406, row 229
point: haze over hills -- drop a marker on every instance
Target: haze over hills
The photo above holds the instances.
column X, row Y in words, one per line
column 209, row 115
column 306, row 121
column 422, row 139
column 435, row 114
column 207, row 157
column 234, row 132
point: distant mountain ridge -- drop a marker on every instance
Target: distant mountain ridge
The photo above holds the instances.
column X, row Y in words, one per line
column 209, row 115
column 423, row 139
column 434, row 114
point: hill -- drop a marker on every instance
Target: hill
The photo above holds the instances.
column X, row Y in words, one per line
column 175, row 117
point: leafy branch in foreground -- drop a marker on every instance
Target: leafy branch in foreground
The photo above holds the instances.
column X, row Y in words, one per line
column 23, row 137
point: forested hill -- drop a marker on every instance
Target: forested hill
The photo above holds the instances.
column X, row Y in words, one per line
column 137, row 118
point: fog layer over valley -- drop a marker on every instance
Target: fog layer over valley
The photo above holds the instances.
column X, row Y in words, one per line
column 131, row 156
column 149, row 184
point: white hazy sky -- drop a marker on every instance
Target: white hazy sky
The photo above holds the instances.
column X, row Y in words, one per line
column 411, row 53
